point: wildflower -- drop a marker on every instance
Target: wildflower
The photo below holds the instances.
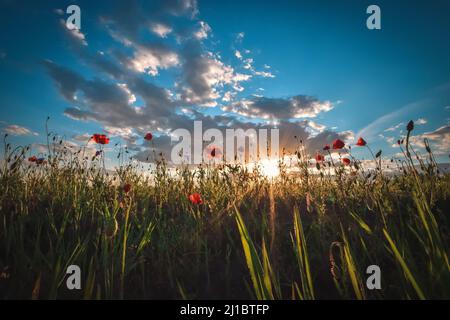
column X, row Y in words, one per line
column 361, row 142
column 213, row 152
column 326, row 148
column 195, row 198
column 32, row 159
column 100, row 138
column 148, row 136
column 41, row 161
column 338, row 144
column 127, row 187
column 319, row 157
column 346, row 161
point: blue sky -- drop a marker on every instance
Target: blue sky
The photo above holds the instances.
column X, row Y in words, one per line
column 311, row 67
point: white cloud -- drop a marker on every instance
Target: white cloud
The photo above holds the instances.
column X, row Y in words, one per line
column 202, row 32
column 228, row 96
column 264, row 74
column 150, row 59
column 17, row 130
column 206, row 74
column 161, row 30
column 421, row 121
column 394, row 128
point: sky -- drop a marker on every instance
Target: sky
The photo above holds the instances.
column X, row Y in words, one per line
column 310, row 68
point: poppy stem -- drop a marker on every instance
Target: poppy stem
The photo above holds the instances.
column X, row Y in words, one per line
column 373, row 156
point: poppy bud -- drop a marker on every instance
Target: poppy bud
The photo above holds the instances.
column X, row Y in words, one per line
column 148, row 136
column 410, row 126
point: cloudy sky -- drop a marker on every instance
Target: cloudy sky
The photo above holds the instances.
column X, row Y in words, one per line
column 310, row 68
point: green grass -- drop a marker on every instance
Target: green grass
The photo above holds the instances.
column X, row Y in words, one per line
column 299, row 236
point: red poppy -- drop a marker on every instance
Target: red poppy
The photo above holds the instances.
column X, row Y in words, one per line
column 346, row 161
column 32, row 159
column 148, row 136
column 326, row 148
column 100, row 138
column 338, row 144
column 195, row 198
column 127, row 187
column 319, row 157
column 361, row 142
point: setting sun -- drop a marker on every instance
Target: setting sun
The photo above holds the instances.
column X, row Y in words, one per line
column 269, row 168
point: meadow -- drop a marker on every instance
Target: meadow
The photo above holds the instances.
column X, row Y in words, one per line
column 223, row 231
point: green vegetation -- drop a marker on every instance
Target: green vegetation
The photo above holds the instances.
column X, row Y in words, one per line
column 297, row 236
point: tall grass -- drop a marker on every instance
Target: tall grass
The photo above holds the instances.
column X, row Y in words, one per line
column 297, row 236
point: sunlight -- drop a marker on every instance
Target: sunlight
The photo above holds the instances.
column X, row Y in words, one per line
column 269, row 168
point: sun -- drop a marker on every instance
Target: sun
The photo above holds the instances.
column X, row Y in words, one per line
column 269, row 168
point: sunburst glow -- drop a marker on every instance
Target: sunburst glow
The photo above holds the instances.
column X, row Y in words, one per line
column 269, row 168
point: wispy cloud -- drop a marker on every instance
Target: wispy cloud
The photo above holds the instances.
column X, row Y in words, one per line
column 17, row 130
column 375, row 127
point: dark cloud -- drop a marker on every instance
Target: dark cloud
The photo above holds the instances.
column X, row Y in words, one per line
column 66, row 80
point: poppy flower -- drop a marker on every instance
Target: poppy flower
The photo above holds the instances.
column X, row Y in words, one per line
column 127, row 187
column 100, row 138
column 195, row 198
column 361, row 142
column 148, row 136
column 213, row 152
column 346, row 161
column 326, row 148
column 338, row 144
column 319, row 157
column 32, row 159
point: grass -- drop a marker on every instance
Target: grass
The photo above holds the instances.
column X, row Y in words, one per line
column 302, row 236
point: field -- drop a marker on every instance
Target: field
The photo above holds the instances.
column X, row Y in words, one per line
column 244, row 236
